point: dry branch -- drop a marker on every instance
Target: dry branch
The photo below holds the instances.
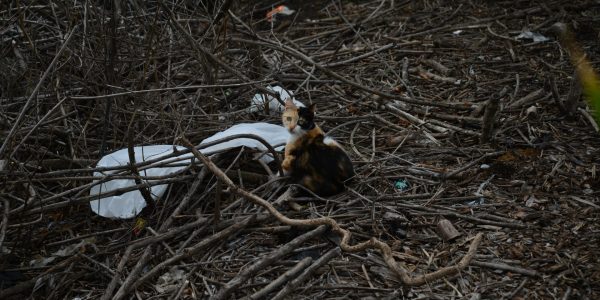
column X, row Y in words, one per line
column 385, row 250
column 294, row 284
column 269, row 259
column 17, row 122
column 285, row 277
column 489, row 117
column 354, row 59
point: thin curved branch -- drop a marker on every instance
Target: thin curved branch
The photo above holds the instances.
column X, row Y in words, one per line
column 383, row 248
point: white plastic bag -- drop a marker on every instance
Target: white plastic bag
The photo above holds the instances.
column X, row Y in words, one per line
column 259, row 101
column 129, row 204
column 272, row 134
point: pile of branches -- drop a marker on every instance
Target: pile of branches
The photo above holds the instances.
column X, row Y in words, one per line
column 475, row 153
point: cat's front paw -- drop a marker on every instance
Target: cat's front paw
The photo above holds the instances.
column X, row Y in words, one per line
column 287, row 163
column 285, row 173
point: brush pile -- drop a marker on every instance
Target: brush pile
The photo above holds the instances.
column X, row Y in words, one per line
column 463, row 119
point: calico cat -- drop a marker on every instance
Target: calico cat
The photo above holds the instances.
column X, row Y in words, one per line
column 311, row 159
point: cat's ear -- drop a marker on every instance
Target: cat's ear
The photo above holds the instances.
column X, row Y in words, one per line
column 289, row 103
column 312, row 108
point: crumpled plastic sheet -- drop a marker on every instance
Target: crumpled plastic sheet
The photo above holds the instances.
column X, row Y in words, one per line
column 129, row 204
column 259, row 101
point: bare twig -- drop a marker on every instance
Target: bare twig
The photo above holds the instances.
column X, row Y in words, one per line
column 385, row 250
column 17, row 122
column 292, row 285
column 489, row 117
column 247, row 272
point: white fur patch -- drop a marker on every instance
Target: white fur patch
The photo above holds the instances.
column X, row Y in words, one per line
column 330, row 141
column 295, row 134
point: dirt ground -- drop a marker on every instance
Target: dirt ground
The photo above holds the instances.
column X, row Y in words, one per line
column 464, row 120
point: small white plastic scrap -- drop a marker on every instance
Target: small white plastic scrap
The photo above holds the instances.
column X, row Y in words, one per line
column 536, row 37
column 259, row 101
column 279, row 10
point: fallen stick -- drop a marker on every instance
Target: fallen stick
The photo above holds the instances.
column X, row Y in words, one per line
column 17, row 122
column 489, row 116
column 292, row 285
column 260, row 265
column 505, row 267
column 186, row 253
column 384, row 248
column 285, row 277
column 528, row 99
column 590, row 118
column 445, row 71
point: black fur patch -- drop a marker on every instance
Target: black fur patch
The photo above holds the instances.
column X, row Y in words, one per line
column 327, row 167
column 306, row 118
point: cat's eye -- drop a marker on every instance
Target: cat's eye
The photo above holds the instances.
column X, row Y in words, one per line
column 301, row 120
column 289, row 119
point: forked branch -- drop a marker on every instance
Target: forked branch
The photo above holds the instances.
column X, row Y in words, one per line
column 385, row 250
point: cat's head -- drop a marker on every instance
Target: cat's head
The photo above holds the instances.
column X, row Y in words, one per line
column 297, row 119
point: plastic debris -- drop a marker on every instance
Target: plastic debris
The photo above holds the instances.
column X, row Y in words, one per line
column 457, row 32
column 536, row 37
column 129, row 204
column 279, row 10
column 140, row 224
column 476, row 202
column 259, row 101
column 484, row 166
column 531, row 201
column 479, row 193
column 170, row 281
column 401, row 184
column 275, row 135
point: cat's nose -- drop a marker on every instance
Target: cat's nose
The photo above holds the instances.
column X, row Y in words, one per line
column 292, row 128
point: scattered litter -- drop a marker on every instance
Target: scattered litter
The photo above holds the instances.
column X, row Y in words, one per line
column 471, row 70
column 279, row 10
column 259, row 102
column 129, row 204
column 275, row 135
column 401, row 184
column 536, row 37
column 476, row 202
column 479, row 192
column 140, row 224
column 484, row 166
column 170, row 280
column 531, row 201
column 457, row 32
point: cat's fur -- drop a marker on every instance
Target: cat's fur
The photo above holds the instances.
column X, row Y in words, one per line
column 317, row 162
